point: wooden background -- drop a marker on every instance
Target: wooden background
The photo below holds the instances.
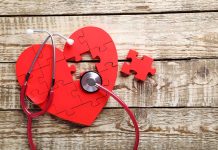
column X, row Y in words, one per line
column 176, row 109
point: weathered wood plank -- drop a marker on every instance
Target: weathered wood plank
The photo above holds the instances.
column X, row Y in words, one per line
column 49, row 7
column 176, row 84
column 194, row 128
column 172, row 36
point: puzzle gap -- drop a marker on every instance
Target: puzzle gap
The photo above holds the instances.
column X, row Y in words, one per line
column 87, row 57
column 81, row 68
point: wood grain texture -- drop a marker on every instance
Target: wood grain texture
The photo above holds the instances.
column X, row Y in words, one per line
column 190, row 129
column 152, row 27
column 191, row 83
column 162, row 36
column 72, row 7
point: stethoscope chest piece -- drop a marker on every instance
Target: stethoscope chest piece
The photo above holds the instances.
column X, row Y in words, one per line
column 88, row 81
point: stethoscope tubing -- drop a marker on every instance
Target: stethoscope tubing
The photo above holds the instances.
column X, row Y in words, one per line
column 31, row 115
column 132, row 117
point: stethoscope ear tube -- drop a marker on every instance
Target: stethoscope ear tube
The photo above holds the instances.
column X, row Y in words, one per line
column 31, row 115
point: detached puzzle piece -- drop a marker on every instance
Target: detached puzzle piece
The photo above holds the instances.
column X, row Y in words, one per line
column 141, row 67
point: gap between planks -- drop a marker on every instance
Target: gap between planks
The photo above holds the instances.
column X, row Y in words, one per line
column 113, row 14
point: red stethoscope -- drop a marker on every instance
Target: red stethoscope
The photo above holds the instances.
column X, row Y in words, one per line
column 90, row 82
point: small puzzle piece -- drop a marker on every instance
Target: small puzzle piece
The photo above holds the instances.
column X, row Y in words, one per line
column 141, row 67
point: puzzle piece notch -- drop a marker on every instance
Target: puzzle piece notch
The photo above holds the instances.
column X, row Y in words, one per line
column 38, row 91
column 97, row 50
column 45, row 58
column 63, row 91
column 63, row 109
column 77, row 113
column 107, row 75
column 79, row 47
column 106, row 57
column 98, row 40
column 84, row 42
column 37, row 88
column 63, row 73
column 41, row 91
column 70, row 111
column 65, row 77
column 140, row 67
column 46, row 55
column 94, row 99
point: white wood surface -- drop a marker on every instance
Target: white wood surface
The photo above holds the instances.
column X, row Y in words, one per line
column 176, row 109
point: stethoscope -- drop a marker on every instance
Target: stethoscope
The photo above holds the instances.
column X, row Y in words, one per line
column 90, row 82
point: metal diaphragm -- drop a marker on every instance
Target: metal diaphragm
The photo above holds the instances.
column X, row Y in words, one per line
column 88, row 81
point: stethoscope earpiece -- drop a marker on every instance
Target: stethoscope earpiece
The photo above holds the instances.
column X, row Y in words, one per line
column 68, row 40
column 29, row 31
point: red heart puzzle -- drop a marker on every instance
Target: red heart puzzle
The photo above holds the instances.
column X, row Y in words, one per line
column 70, row 102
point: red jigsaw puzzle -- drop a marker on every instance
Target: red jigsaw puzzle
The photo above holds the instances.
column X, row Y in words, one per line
column 70, row 102
column 140, row 67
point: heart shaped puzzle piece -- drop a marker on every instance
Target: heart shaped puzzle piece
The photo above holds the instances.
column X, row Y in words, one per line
column 70, row 102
